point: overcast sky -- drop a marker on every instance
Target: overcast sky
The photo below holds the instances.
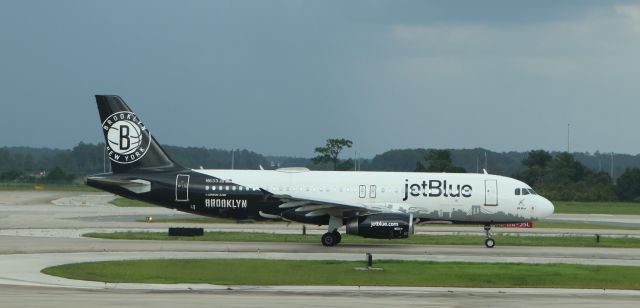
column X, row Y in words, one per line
column 280, row 77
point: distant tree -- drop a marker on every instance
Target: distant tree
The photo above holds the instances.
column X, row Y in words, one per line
column 537, row 158
column 86, row 157
column 438, row 161
column 564, row 168
column 345, row 165
column 57, row 175
column 628, row 185
column 330, row 152
column 6, row 162
column 12, row 175
column 397, row 160
column 563, row 178
column 536, row 163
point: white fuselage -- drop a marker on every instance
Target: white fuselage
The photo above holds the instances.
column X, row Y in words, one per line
column 459, row 197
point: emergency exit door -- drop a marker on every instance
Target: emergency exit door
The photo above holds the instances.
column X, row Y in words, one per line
column 182, row 187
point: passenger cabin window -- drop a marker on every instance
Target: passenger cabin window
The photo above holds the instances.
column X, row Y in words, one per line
column 517, row 191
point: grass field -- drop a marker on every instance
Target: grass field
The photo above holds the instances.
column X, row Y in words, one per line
column 537, row 224
column 194, row 220
column 502, row 240
column 210, row 220
column 394, row 273
column 124, row 202
column 577, row 225
column 50, row 187
column 617, row 208
column 546, row 225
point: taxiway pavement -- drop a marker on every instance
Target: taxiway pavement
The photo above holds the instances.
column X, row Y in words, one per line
column 40, row 229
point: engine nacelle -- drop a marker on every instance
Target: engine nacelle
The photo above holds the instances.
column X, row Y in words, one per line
column 383, row 225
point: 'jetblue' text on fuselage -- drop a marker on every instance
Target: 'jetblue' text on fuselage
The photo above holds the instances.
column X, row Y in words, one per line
column 436, row 188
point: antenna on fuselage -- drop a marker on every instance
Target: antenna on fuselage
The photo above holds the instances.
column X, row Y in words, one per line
column 485, row 171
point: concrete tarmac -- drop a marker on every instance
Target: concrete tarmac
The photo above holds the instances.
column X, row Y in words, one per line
column 40, row 229
column 36, row 297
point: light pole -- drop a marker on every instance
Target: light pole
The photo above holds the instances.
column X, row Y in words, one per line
column 568, row 136
column 611, row 166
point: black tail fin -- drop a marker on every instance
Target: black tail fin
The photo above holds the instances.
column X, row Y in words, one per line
column 130, row 146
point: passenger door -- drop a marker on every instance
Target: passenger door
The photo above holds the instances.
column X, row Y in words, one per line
column 491, row 192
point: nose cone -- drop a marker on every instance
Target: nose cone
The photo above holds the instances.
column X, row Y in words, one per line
column 544, row 209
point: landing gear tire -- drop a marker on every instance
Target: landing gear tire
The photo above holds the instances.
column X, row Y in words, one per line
column 489, row 242
column 330, row 239
column 338, row 237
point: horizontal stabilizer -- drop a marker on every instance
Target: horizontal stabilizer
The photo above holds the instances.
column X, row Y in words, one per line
column 137, row 186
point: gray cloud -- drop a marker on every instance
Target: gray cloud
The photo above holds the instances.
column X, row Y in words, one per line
column 279, row 77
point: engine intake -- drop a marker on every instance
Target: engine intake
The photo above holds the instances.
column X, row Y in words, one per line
column 383, row 225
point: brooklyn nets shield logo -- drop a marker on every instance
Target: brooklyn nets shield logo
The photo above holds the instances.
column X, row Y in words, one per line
column 127, row 138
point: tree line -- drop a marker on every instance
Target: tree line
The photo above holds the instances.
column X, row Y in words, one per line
column 557, row 175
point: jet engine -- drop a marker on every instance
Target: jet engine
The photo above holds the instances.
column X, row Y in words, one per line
column 382, row 225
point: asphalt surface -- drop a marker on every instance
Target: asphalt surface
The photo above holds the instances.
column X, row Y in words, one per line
column 40, row 229
column 17, row 296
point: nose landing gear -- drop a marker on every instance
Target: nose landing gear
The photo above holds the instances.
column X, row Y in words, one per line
column 489, row 242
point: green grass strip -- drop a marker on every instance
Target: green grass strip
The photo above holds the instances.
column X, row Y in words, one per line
column 124, row 202
column 613, row 208
column 501, row 240
column 394, row 273
column 537, row 224
column 46, row 187
column 212, row 220
column 542, row 225
column 195, row 220
column 577, row 225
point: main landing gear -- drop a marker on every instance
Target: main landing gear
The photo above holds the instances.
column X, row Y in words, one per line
column 331, row 238
column 489, row 241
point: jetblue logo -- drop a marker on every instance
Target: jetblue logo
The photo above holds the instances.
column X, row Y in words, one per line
column 436, row 188
column 127, row 138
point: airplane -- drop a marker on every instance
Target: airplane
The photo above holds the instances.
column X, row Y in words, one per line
column 384, row 205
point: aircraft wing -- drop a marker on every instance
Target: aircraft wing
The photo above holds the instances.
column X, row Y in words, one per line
column 319, row 206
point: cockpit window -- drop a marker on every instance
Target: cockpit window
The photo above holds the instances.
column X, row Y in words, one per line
column 525, row 191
